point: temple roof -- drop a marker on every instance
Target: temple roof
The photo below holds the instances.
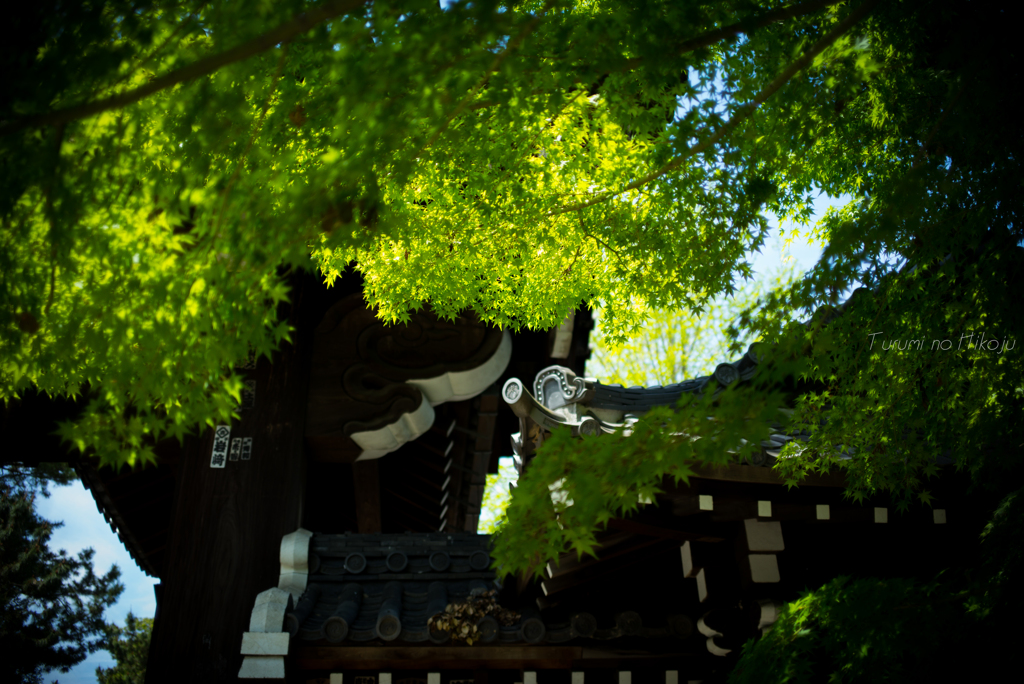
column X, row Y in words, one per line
column 385, row 587
column 352, row 577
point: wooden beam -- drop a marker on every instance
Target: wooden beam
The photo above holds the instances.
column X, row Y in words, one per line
column 592, row 569
column 742, row 473
column 570, row 562
column 647, row 530
column 510, row 657
column 431, row 511
column 729, row 509
column 366, row 483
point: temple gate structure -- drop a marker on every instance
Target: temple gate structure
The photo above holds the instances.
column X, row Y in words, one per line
column 312, row 539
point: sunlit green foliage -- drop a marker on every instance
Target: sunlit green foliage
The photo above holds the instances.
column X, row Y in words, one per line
column 497, row 497
column 162, row 167
column 517, row 161
column 677, row 344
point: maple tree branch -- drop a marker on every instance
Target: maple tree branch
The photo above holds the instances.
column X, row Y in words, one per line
column 282, row 34
column 255, row 132
column 708, row 39
column 742, row 114
column 746, row 26
column 512, row 45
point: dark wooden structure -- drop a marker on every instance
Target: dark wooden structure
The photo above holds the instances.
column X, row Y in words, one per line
column 357, row 468
column 213, row 535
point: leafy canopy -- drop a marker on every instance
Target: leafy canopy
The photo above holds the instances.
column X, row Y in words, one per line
column 163, row 166
column 516, row 160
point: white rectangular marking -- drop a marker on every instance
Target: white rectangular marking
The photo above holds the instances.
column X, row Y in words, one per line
column 337, row 677
column 432, row 678
column 939, row 516
column 529, row 678
column 821, row 511
column 625, row 678
column 881, row 515
column 671, row 676
column 707, row 503
column 764, row 509
column 702, row 586
column 577, row 678
column 764, row 568
column 385, row 678
column 236, row 449
column 763, row 536
column 687, row 553
column 221, row 442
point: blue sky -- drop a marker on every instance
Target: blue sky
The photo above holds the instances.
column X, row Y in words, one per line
column 801, row 253
column 84, row 527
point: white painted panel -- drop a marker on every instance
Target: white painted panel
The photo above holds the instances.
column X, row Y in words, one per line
column 262, row 667
column 462, row 385
column 821, row 511
column 577, row 678
column 707, row 503
column 671, row 676
column 625, row 678
column 294, row 583
column 529, row 678
column 764, row 568
column 881, row 515
column 687, row 553
column 764, row 509
column 265, row 644
column 769, row 613
column 763, row 535
column 268, row 617
column 269, row 610
column 939, row 516
column 377, row 443
column 273, row 595
column 339, row 678
column 703, row 628
column 295, row 551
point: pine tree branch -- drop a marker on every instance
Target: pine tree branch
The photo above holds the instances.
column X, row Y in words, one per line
column 282, row 34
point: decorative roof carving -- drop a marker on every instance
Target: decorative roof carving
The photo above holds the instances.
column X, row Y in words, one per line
column 373, row 386
column 589, row 408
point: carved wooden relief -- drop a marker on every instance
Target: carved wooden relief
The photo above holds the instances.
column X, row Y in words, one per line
column 372, row 386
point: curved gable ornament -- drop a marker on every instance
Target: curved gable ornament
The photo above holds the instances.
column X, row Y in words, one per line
column 373, row 387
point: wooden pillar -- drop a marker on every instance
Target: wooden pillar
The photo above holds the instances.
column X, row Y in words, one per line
column 227, row 523
column 366, row 483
